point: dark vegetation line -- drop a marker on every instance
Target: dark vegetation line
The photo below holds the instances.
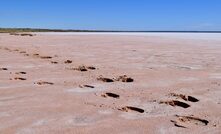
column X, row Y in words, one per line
column 14, row 30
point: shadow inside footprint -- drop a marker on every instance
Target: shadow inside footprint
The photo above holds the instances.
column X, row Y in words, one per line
column 175, row 103
column 91, row 68
column 113, row 95
column 129, row 108
column 35, row 54
column 19, row 78
column 88, row 86
column 46, row 57
column 68, row 62
column 192, row 99
column 4, row 68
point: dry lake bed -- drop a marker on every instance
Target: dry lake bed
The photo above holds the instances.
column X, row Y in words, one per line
column 109, row 83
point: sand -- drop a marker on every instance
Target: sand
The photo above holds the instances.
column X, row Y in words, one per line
column 57, row 83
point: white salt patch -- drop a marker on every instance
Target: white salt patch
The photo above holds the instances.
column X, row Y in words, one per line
column 215, row 76
column 16, row 86
column 185, row 67
column 97, row 87
column 131, row 115
column 202, row 36
column 30, row 66
column 79, row 121
column 4, row 114
column 25, row 131
column 84, row 90
column 40, row 122
column 189, row 79
column 105, row 112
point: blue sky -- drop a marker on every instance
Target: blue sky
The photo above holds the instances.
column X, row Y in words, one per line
column 112, row 14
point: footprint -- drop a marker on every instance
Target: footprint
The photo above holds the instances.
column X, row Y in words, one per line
column 84, row 68
column 91, row 68
column 101, row 78
column 184, row 97
column 175, row 103
column 3, row 68
column 22, row 52
column 81, row 68
column 44, row 83
column 22, row 34
column 16, row 34
column 113, row 95
column 26, row 54
column 19, row 78
column 124, row 78
column 35, row 54
column 176, row 124
column 129, row 108
column 68, row 62
column 7, row 49
column 54, row 62
column 26, row 34
column 20, row 73
column 16, row 50
column 45, row 57
column 184, row 121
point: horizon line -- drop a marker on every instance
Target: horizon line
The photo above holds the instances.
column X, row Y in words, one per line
column 92, row 30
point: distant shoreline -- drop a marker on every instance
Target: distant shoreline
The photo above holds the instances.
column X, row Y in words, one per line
column 14, row 30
